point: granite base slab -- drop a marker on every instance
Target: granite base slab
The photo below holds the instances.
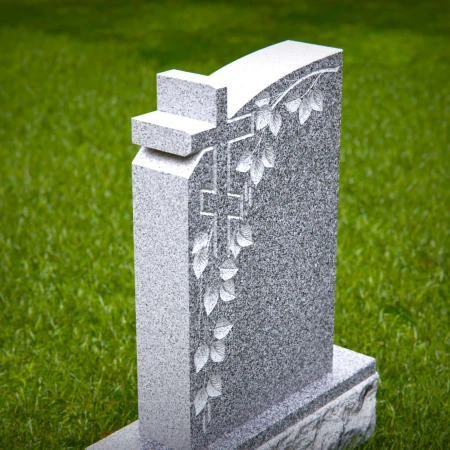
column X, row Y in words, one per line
column 335, row 412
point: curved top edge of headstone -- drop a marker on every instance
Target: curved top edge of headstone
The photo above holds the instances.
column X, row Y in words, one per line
column 248, row 76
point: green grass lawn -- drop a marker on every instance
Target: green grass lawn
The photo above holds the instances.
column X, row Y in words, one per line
column 72, row 75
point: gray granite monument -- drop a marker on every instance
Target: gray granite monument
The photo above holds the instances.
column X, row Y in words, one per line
column 235, row 196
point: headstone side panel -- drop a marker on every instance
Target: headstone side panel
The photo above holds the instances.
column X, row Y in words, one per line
column 160, row 207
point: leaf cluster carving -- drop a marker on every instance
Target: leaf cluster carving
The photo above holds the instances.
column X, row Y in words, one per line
column 252, row 163
column 217, row 349
column 241, row 238
column 267, row 116
column 217, row 354
column 213, row 389
column 225, row 290
column 313, row 101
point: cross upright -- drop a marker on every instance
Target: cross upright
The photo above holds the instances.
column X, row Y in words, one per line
column 223, row 205
column 191, row 118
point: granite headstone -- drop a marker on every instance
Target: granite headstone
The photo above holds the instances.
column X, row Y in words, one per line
column 235, row 195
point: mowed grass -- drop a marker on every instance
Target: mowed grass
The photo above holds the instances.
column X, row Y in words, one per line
column 74, row 72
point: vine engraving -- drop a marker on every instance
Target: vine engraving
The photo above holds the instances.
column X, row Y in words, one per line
column 303, row 99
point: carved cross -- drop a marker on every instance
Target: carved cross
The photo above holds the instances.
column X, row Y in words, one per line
column 192, row 117
column 221, row 203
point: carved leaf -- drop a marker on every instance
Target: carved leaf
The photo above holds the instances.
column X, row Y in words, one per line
column 245, row 162
column 275, row 122
column 234, row 247
column 201, row 357
column 200, row 241
column 304, row 111
column 263, row 116
column 210, row 299
column 244, row 236
column 218, row 351
column 222, row 328
column 200, row 401
column 268, row 156
column 228, row 269
column 214, row 386
column 293, row 105
column 257, row 170
column 316, row 100
column 227, row 291
column 262, row 102
column 200, row 261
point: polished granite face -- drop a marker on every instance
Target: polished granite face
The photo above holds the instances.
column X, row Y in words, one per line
column 235, row 219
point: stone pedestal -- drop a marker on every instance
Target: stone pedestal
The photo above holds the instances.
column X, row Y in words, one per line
column 335, row 412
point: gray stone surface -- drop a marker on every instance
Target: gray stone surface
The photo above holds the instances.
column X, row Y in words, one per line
column 191, row 95
column 343, row 423
column 326, row 414
column 162, row 304
column 349, row 369
column 235, row 193
column 174, row 134
column 191, row 116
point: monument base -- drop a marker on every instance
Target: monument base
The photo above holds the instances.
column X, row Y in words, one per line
column 334, row 412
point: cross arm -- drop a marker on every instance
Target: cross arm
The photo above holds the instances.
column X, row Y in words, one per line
column 171, row 133
column 190, row 108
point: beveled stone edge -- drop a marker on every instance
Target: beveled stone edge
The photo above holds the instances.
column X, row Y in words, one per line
column 345, row 422
column 246, row 77
column 169, row 133
column 349, row 370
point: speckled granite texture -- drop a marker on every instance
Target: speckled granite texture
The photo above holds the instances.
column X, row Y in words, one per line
column 165, row 131
column 191, row 95
column 336, row 410
column 343, row 423
column 235, row 195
